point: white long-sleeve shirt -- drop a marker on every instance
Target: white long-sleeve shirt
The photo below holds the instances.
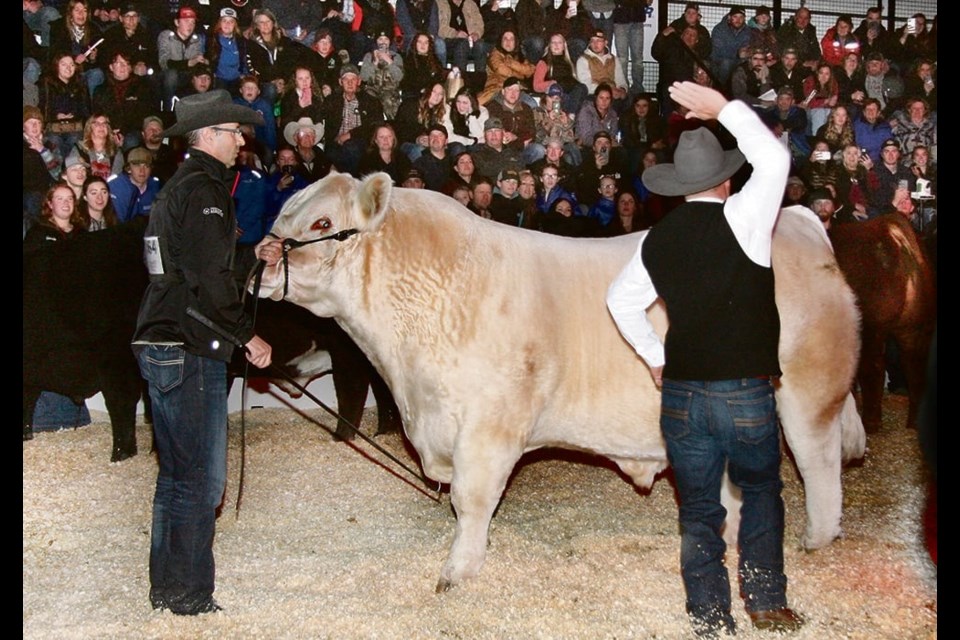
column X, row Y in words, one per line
column 751, row 214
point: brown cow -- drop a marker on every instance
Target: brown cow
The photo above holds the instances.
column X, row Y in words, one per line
column 894, row 283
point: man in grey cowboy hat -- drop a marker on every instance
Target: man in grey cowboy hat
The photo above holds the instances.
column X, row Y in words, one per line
column 709, row 260
column 188, row 250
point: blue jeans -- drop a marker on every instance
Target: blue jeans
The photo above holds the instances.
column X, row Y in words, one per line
column 54, row 412
column 628, row 39
column 189, row 395
column 709, row 426
column 459, row 53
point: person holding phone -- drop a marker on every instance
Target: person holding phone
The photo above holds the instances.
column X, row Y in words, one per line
column 284, row 182
column 887, row 176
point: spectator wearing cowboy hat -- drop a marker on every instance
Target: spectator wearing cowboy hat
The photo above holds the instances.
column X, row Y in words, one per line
column 305, row 138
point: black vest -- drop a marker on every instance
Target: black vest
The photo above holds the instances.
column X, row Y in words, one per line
column 723, row 317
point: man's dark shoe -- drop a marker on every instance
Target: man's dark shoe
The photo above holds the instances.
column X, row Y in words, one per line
column 182, row 608
column 781, row 620
column 210, row 606
column 207, row 606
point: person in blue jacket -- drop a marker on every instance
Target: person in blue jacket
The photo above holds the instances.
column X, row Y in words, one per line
column 134, row 190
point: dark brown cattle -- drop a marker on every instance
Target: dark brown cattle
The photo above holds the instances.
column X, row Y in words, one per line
column 892, row 278
column 294, row 333
column 80, row 303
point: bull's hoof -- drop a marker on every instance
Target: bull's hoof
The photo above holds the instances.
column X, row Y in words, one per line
column 123, row 453
column 444, row 585
column 343, row 433
column 383, row 430
column 813, row 542
column 389, row 422
column 27, row 432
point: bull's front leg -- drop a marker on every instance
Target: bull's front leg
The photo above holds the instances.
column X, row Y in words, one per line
column 481, row 467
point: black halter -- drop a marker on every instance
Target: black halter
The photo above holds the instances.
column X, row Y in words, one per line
column 291, row 243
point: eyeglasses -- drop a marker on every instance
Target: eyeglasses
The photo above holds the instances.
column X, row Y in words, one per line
column 235, row 131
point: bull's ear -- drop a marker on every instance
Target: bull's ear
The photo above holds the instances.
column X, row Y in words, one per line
column 373, row 198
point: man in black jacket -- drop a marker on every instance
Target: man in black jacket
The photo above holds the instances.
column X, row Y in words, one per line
column 188, row 250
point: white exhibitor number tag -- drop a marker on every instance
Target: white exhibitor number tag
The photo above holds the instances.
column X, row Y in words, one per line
column 151, row 255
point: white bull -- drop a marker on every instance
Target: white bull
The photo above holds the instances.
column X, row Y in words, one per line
column 496, row 341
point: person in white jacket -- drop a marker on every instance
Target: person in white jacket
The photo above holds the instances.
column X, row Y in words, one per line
column 465, row 121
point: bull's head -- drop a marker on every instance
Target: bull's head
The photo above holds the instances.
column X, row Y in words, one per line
column 316, row 275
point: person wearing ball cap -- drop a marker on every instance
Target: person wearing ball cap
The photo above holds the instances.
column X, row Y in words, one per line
column 709, row 260
column 189, row 252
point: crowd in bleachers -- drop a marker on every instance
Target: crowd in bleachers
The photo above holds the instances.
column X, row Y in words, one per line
column 533, row 113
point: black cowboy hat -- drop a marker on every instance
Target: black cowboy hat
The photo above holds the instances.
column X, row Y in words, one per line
column 209, row 109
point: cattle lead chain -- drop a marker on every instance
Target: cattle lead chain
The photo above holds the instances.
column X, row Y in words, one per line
column 280, row 373
column 291, row 243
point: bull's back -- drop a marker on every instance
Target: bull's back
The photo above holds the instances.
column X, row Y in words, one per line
column 498, row 324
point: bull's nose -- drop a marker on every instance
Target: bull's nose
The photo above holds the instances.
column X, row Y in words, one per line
column 271, row 283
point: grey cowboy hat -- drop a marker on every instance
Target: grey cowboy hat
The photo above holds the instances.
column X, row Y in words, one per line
column 207, row 110
column 699, row 164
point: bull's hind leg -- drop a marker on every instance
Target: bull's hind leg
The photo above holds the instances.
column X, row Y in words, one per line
column 813, row 431
column 481, row 467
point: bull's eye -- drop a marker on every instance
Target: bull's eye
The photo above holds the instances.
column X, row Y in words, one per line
column 321, row 224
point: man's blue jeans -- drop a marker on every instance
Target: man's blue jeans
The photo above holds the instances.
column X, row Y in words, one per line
column 189, row 395
column 628, row 38
column 709, row 426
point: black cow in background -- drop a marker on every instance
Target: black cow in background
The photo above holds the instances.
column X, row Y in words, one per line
column 80, row 303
